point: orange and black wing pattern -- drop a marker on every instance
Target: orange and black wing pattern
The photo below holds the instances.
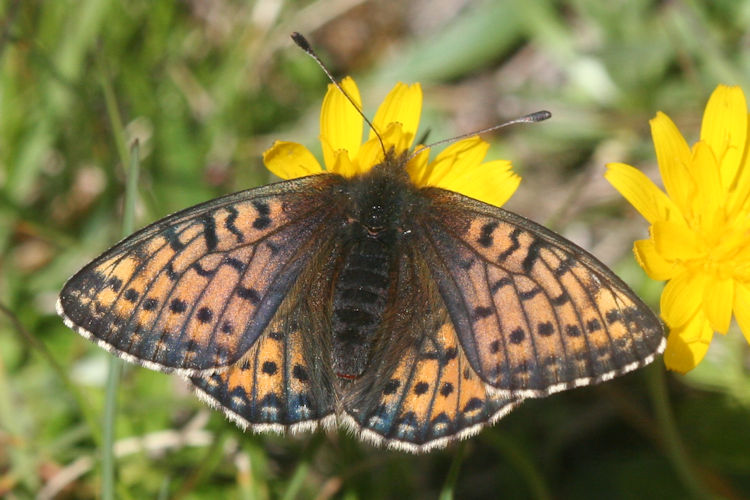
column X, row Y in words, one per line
column 195, row 290
column 422, row 392
column 534, row 313
column 284, row 381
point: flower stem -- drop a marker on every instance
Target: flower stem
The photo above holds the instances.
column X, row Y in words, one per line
column 110, row 411
column 449, row 487
column 675, row 448
column 129, row 160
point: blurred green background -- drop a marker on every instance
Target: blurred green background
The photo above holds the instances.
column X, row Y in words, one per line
column 206, row 86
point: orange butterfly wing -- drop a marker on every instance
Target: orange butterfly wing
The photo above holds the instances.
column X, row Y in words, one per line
column 284, row 381
column 194, row 291
column 534, row 313
column 420, row 391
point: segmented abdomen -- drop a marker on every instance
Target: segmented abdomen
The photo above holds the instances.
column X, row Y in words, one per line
column 359, row 300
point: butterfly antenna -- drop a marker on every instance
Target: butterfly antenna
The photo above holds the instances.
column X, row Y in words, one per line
column 303, row 44
column 537, row 116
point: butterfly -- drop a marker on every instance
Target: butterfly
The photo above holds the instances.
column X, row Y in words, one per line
column 412, row 315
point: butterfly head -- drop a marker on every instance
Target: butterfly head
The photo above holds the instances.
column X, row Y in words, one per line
column 379, row 202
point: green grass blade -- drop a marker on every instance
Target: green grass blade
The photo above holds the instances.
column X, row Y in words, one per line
column 115, row 364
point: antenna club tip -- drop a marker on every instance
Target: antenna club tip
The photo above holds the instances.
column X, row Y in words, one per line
column 301, row 41
column 540, row 116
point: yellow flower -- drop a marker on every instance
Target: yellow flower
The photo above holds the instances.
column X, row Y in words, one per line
column 700, row 228
column 458, row 168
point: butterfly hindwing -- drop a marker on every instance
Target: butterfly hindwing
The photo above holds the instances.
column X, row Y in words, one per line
column 431, row 395
column 193, row 291
column 275, row 385
column 534, row 313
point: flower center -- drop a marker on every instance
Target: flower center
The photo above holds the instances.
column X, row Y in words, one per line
column 726, row 247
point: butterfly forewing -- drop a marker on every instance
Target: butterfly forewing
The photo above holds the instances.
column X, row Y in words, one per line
column 194, row 291
column 534, row 313
column 421, row 391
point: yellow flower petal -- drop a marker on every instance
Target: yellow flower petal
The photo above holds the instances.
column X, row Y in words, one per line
column 739, row 194
column 675, row 241
column 653, row 263
column 343, row 165
column 461, row 155
column 718, row 299
column 681, row 298
column 290, row 160
column 637, row 188
column 709, row 193
column 742, row 308
column 340, row 122
column 686, row 346
column 673, row 155
column 417, row 166
column 724, row 128
column 395, row 138
column 493, row 182
column 371, row 152
column 741, row 267
column 403, row 105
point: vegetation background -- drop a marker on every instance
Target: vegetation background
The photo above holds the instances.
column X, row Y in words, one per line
column 206, row 86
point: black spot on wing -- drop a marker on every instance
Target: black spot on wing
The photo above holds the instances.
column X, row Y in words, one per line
column 593, row 325
column 517, row 336
column 495, row 346
column 391, row 386
column 560, row 299
column 300, row 373
column 613, row 316
column 269, row 368
column 529, row 294
column 572, row 331
column 206, row 273
column 171, row 273
column 485, row 237
column 451, row 353
column 564, row 266
column 173, row 239
column 276, row 335
column 235, row 264
column 249, row 294
column 229, row 223
column 515, row 245
column 263, row 220
column 178, row 306
column 473, row 405
column 421, row 388
column 204, row 315
column 209, row 231
column 482, row 312
column 501, row 283
column 532, row 254
column 446, row 389
column 114, row 283
column 546, row 328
